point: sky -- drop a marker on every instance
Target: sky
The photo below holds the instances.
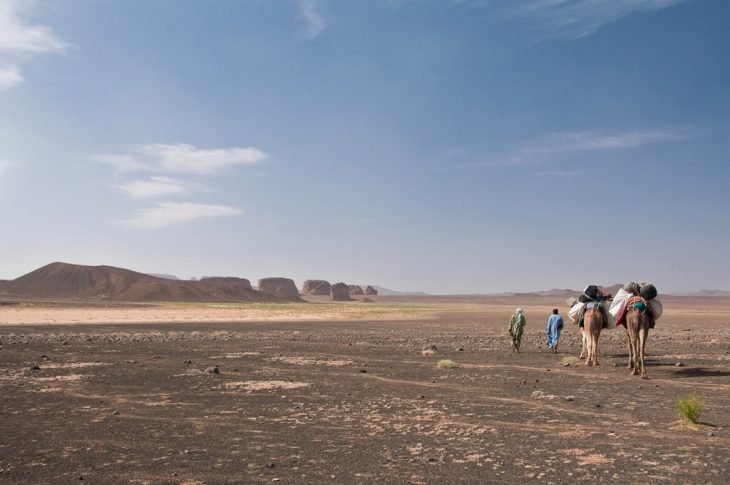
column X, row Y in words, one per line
column 445, row 146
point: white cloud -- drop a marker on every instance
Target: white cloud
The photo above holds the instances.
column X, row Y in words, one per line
column 171, row 213
column 181, row 158
column 19, row 39
column 557, row 144
column 566, row 18
column 309, row 10
column 580, row 18
column 9, row 76
column 154, row 187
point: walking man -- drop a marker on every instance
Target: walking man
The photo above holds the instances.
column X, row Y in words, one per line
column 516, row 327
column 554, row 327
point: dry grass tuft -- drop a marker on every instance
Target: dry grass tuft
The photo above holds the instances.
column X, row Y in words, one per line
column 690, row 407
column 446, row 364
column 569, row 360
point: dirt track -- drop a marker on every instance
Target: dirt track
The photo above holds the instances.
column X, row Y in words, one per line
column 310, row 402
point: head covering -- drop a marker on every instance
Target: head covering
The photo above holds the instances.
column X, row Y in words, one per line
column 519, row 310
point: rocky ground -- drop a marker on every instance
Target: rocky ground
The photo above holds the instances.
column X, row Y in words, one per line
column 355, row 402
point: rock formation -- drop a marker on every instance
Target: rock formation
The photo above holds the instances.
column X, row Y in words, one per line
column 340, row 292
column 355, row 290
column 282, row 287
column 316, row 287
column 371, row 291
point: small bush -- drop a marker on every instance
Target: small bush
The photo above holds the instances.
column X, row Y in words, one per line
column 569, row 360
column 690, row 407
column 446, row 364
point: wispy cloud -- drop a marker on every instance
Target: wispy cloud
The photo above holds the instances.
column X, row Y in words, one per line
column 556, row 144
column 9, row 76
column 566, row 18
column 154, row 187
column 315, row 22
column 580, row 18
column 172, row 213
column 19, row 40
column 181, row 158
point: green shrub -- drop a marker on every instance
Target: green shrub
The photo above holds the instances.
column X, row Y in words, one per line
column 690, row 407
column 446, row 364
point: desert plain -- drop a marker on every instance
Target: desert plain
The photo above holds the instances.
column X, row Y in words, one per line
column 321, row 392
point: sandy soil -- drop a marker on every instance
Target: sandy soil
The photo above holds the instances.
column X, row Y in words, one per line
column 354, row 401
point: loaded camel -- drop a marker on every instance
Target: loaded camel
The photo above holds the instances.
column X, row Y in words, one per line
column 594, row 319
column 638, row 320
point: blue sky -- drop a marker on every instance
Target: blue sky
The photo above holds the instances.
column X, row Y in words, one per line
column 447, row 146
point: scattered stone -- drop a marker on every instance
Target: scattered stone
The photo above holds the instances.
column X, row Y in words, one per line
column 213, row 370
column 115, row 413
column 567, row 364
column 570, row 398
column 271, row 465
column 598, row 405
column 537, row 394
column 432, row 460
column 65, row 342
column 130, row 361
column 363, row 371
column 710, row 433
column 193, row 372
column 615, row 364
column 460, row 349
column 35, row 367
column 44, row 357
column 679, row 364
column 188, row 362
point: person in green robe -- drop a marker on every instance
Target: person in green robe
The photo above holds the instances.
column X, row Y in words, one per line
column 516, row 328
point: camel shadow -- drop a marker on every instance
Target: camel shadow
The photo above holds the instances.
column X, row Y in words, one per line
column 700, row 372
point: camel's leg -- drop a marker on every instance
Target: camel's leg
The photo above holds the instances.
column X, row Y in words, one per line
column 583, row 349
column 631, row 348
column 592, row 347
column 595, row 347
column 644, row 337
column 634, row 353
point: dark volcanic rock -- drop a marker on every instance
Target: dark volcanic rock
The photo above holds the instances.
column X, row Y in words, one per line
column 278, row 286
column 355, row 290
column 316, row 287
column 371, row 291
column 340, row 292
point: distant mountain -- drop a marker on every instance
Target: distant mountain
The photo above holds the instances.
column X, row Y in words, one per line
column 388, row 292
column 725, row 293
column 164, row 276
column 63, row 280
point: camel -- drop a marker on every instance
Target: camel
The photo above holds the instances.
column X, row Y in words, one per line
column 593, row 321
column 638, row 322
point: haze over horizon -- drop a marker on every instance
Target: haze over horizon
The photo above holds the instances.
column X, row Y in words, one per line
column 450, row 147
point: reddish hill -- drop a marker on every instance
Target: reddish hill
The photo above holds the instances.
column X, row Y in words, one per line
column 62, row 280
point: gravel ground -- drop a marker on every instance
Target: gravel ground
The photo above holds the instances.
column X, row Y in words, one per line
column 356, row 402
